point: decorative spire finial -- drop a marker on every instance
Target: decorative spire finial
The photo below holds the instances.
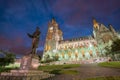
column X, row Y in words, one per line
column 95, row 23
column 53, row 20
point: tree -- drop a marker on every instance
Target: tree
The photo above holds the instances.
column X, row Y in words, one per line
column 9, row 58
column 114, row 49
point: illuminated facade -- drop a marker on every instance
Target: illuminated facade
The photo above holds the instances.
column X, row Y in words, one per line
column 82, row 48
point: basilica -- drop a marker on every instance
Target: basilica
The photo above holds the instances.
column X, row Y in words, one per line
column 76, row 49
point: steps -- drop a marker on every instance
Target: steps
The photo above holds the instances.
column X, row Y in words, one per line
column 25, row 75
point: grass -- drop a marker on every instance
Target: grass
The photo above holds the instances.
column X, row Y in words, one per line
column 110, row 64
column 15, row 65
column 69, row 72
column 105, row 78
column 9, row 67
column 6, row 69
column 59, row 69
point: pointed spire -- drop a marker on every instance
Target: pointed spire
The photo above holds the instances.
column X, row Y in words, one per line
column 95, row 23
column 111, row 28
column 53, row 20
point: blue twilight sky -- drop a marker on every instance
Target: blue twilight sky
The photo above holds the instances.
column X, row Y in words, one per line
column 18, row 17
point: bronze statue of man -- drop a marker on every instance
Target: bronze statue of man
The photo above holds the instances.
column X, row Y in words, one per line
column 35, row 40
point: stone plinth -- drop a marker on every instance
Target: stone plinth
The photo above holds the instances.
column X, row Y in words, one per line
column 35, row 63
column 29, row 62
column 26, row 62
column 28, row 70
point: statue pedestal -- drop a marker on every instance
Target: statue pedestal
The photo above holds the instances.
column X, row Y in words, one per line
column 28, row 70
column 26, row 62
column 35, row 63
column 29, row 62
column 28, row 67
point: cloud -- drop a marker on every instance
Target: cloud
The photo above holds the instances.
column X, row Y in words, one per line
column 21, row 50
column 16, row 45
column 4, row 42
column 80, row 11
column 74, row 17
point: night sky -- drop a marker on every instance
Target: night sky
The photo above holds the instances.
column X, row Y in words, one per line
column 18, row 17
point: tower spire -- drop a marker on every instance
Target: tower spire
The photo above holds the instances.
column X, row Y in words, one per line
column 112, row 29
column 53, row 20
column 95, row 23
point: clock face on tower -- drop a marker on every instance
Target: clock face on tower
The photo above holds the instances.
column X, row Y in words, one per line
column 51, row 28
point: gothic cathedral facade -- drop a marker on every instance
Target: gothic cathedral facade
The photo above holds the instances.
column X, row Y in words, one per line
column 82, row 48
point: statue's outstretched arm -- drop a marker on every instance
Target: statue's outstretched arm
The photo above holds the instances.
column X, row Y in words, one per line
column 31, row 36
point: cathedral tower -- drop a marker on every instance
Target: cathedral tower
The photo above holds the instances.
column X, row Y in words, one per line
column 54, row 35
column 102, row 34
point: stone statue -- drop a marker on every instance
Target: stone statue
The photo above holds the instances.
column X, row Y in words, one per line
column 35, row 40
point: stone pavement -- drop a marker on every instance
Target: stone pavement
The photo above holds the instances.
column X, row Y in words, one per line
column 89, row 71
